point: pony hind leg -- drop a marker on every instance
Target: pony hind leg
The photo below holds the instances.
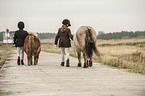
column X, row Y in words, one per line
column 29, row 58
column 79, row 59
column 31, row 61
column 85, row 60
column 35, row 60
column 90, row 62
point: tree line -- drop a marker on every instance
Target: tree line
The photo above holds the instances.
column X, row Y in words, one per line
column 121, row 35
column 104, row 36
column 40, row 35
column 101, row 35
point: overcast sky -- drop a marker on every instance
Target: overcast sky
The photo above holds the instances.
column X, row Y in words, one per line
column 47, row 15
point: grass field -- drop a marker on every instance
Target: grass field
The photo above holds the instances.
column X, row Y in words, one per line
column 123, row 54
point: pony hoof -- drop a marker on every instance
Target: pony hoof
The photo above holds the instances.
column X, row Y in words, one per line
column 90, row 63
column 85, row 66
column 79, row 65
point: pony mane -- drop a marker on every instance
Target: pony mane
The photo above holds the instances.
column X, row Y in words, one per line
column 34, row 34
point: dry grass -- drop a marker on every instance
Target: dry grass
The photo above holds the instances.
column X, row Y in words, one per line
column 50, row 47
column 129, row 57
column 123, row 54
column 5, row 51
column 123, row 41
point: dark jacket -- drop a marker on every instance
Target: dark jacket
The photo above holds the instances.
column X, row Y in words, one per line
column 64, row 35
column 19, row 37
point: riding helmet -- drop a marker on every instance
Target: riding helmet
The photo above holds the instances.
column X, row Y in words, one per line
column 21, row 25
column 66, row 21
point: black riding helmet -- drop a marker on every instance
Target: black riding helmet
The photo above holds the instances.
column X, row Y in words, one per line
column 21, row 25
column 66, row 21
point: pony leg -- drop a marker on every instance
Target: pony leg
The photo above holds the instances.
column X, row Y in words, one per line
column 35, row 60
column 90, row 62
column 79, row 59
column 85, row 60
column 29, row 60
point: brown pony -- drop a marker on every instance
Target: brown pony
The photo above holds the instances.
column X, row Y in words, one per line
column 85, row 41
column 32, row 47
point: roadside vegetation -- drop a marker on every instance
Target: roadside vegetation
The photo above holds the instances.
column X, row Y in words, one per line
column 122, row 54
column 5, row 51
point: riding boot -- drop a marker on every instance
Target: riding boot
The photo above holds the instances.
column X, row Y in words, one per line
column 67, row 63
column 62, row 63
column 79, row 64
column 22, row 62
column 18, row 60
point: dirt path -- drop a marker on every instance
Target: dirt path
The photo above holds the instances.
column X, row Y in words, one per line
column 48, row 78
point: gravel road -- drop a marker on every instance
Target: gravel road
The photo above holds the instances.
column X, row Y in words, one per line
column 48, row 78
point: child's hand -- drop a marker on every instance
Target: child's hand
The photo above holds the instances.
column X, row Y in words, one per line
column 14, row 45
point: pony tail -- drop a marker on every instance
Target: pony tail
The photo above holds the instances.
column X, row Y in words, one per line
column 31, row 47
column 90, row 45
